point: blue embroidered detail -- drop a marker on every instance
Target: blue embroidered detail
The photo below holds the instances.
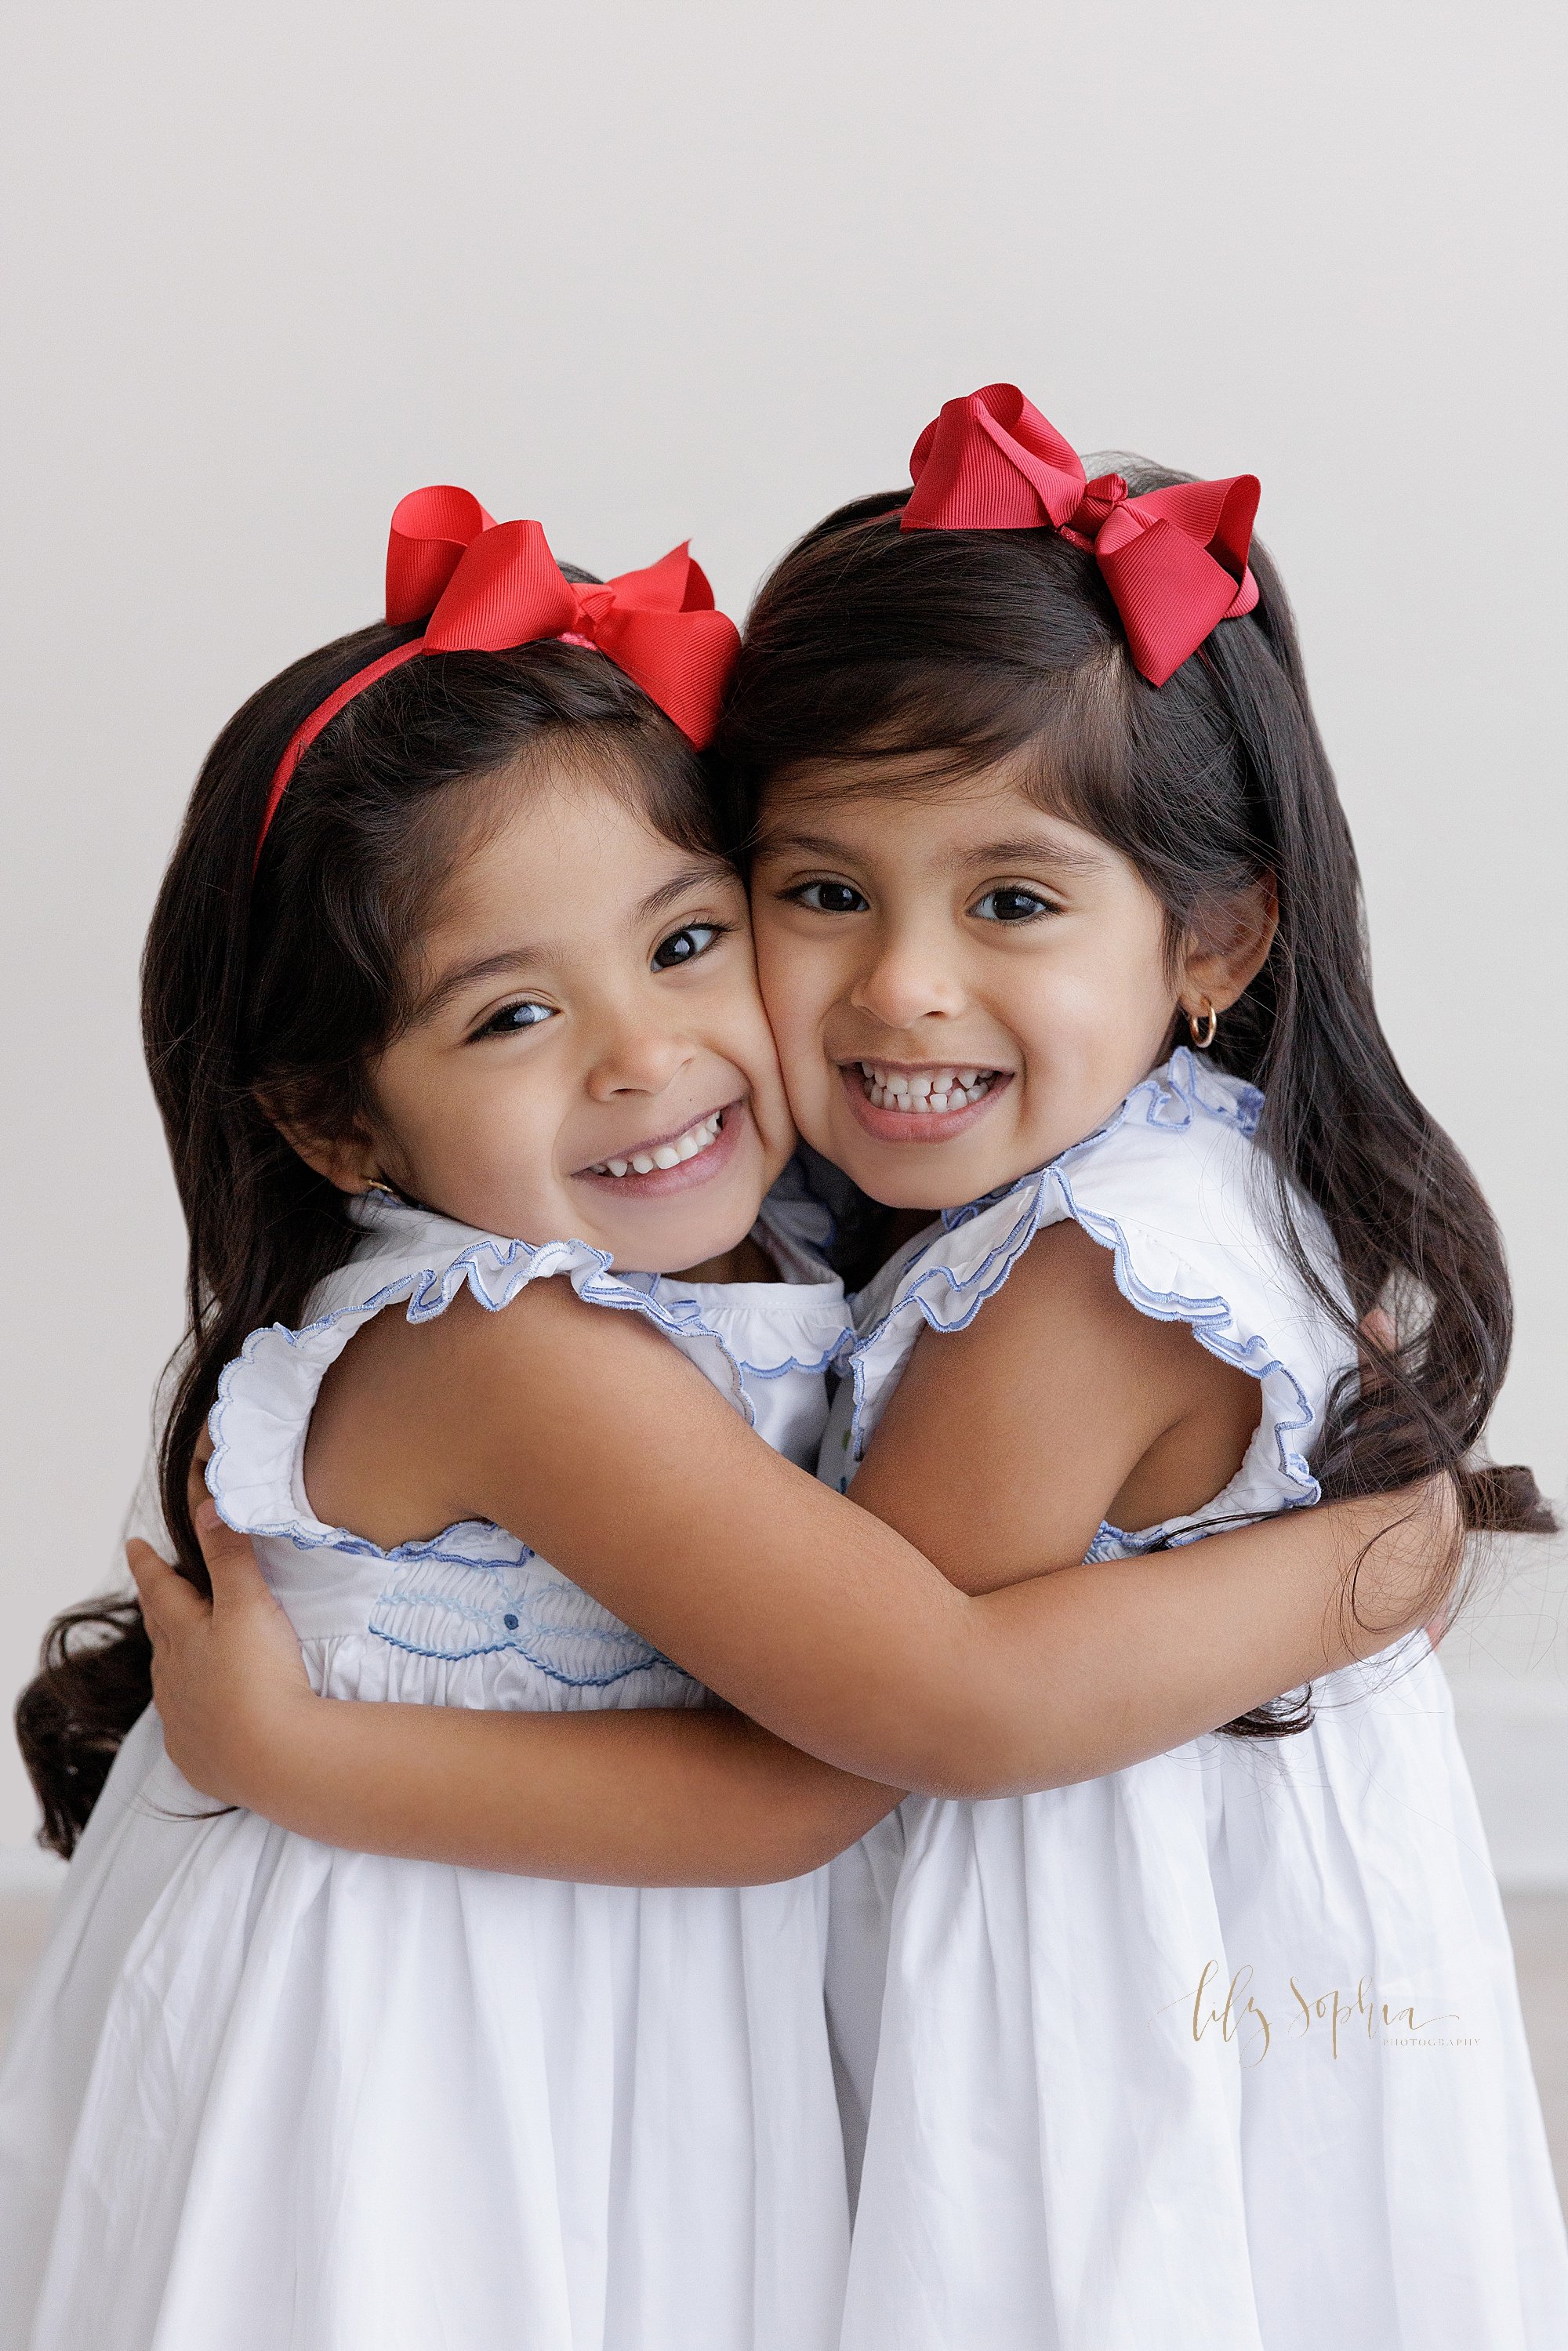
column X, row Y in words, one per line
column 540, row 1664
column 455, row 1595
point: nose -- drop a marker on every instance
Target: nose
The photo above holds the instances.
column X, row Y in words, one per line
column 634, row 1055
column 909, row 977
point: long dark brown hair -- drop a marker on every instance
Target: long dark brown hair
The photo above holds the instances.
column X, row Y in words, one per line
column 282, row 987
column 957, row 649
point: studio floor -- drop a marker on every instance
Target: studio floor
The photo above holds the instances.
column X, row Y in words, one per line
column 1539, row 1923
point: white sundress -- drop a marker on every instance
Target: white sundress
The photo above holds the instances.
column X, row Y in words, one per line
column 1115, row 2106
column 267, row 2093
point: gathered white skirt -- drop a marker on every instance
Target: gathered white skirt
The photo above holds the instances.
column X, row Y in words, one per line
column 1220, row 2053
column 266, row 2093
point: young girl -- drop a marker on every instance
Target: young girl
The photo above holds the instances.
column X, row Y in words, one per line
column 483, row 963
column 1222, row 2048
column 270, row 2095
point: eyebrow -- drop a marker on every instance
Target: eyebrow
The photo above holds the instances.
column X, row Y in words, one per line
column 771, row 843
column 440, row 993
column 522, row 958
column 701, row 869
column 1026, row 851
column 1029, row 851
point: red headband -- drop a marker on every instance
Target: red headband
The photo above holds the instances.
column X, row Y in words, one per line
column 484, row 586
column 1172, row 558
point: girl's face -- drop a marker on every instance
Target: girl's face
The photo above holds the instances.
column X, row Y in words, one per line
column 960, row 985
column 588, row 1055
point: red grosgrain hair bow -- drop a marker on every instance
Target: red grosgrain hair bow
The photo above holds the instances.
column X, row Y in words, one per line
column 484, row 586
column 1175, row 559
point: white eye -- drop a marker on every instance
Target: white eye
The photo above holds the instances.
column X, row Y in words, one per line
column 514, row 1018
column 1011, row 904
column 830, row 898
column 684, row 945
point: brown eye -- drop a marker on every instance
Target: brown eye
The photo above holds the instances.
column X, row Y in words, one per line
column 513, row 1018
column 1011, row 905
column 830, row 898
column 685, row 945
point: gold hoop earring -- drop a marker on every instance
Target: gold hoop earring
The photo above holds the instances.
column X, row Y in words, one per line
column 1202, row 1033
column 389, row 1191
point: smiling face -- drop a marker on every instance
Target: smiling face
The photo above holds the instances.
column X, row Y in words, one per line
column 961, row 985
column 587, row 1055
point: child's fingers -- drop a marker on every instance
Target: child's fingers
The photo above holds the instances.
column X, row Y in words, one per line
column 230, row 1557
column 169, row 1604
column 1377, row 1332
column 196, row 1481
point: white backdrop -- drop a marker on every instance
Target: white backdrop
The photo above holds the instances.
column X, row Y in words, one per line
column 707, row 269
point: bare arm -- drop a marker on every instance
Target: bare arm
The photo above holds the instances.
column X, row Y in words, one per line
column 828, row 1627
column 648, row 1797
column 980, row 1458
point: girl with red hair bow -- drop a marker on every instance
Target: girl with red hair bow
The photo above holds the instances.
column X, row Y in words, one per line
column 892, row 711
column 480, row 1135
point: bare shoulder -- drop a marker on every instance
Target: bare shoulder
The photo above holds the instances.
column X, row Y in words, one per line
column 1078, row 1407
column 1062, row 1324
column 1061, row 1298
column 409, row 1410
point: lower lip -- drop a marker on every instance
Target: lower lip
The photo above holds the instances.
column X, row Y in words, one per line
column 916, row 1125
column 660, row 1181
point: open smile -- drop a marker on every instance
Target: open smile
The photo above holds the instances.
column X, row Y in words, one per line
column 930, row 1102
column 669, row 1163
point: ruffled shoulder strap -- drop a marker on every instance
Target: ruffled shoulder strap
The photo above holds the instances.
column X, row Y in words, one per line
column 1174, row 1187
column 419, row 1262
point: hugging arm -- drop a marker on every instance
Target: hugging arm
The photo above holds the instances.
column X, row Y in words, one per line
column 827, row 1626
column 830, row 1628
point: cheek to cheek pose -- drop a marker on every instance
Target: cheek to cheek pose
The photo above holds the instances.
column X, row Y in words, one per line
column 470, row 990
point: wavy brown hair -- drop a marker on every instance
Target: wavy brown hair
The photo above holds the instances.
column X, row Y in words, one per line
column 961, row 649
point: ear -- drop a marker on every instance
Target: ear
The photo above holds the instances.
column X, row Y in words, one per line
column 1229, row 952
column 349, row 1162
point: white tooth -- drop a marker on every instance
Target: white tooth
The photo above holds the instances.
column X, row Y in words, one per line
column 879, row 1097
column 641, row 1163
column 942, row 1083
column 687, row 1147
column 665, row 1157
column 939, row 1102
column 617, row 1166
column 967, row 1077
column 920, row 1083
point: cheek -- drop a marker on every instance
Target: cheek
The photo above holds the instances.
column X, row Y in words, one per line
column 797, row 984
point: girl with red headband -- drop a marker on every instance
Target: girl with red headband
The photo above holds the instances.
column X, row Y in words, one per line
column 617, row 2137
column 451, row 1016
